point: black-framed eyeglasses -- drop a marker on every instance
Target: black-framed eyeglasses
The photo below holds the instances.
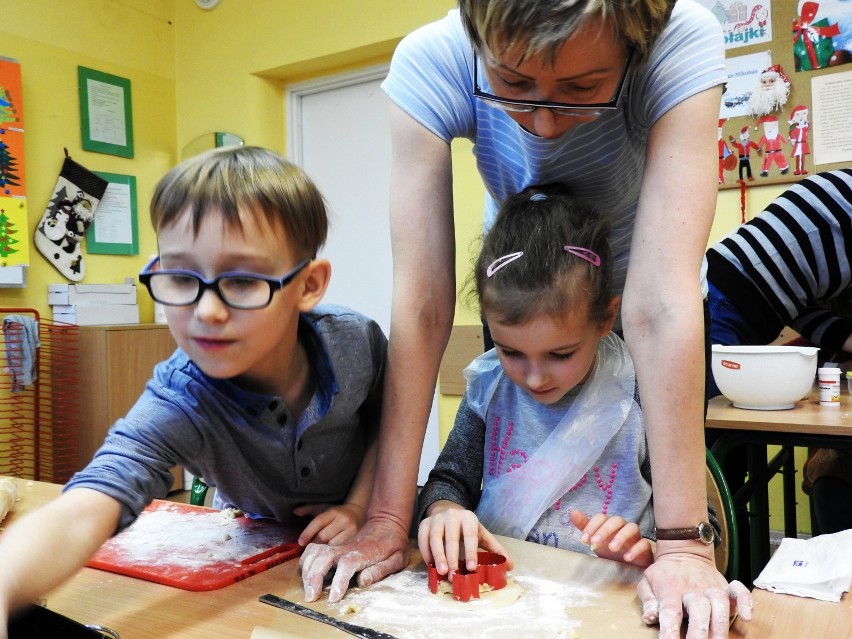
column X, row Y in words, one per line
column 243, row 291
column 591, row 109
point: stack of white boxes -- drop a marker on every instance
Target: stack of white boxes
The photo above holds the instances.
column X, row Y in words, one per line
column 91, row 304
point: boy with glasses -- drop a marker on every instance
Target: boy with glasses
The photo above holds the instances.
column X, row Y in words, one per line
column 270, row 398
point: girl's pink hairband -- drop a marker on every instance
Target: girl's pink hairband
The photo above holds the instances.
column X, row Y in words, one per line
column 500, row 262
column 583, row 253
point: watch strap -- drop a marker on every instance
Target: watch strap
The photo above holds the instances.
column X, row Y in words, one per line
column 703, row 532
column 677, row 533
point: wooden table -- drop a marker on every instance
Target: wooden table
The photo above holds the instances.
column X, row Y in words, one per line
column 807, row 424
column 142, row 610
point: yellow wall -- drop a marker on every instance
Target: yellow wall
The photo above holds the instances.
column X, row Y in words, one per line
column 728, row 209
column 232, row 77
column 194, row 72
column 50, row 39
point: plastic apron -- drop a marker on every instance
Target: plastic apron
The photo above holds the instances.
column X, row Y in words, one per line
column 511, row 504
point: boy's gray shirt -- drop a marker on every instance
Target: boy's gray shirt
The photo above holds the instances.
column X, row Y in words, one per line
column 248, row 445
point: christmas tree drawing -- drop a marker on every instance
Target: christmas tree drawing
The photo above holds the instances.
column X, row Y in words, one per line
column 8, row 167
column 7, row 230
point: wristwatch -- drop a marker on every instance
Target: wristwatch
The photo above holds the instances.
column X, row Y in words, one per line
column 703, row 532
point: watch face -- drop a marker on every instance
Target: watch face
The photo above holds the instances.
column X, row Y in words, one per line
column 706, row 532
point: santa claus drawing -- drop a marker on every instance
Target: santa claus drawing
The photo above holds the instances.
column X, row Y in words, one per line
column 770, row 144
column 771, row 93
column 744, row 147
column 799, row 127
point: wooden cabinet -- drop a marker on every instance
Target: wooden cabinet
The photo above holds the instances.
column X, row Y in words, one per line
column 115, row 364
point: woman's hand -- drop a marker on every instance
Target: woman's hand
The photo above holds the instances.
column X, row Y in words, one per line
column 450, row 528
column 611, row 537
column 683, row 584
column 330, row 524
column 377, row 550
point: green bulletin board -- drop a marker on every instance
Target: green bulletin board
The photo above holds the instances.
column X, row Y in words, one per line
column 115, row 228
column 106, row 113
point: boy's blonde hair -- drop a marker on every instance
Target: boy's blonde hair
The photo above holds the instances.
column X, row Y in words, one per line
column 544, row 25
column 244, row 179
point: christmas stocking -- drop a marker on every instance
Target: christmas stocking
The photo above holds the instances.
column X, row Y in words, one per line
column 71, row 209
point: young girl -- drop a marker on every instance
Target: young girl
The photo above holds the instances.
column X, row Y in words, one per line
column 549, row 427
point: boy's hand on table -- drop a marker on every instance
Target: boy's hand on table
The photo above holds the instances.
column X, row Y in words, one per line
column 611, row 537
column 330, row 524
column 682, row 582
column 450, row 527
column 377, row 550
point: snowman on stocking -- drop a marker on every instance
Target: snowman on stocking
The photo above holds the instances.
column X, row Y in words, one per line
column 71, row 209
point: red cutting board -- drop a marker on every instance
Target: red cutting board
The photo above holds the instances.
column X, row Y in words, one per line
column 196, row 548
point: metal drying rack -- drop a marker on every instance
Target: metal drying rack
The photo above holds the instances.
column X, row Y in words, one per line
column 39, row 396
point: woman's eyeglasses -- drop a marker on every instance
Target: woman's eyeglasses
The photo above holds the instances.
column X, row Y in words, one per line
column 592, row 109
column 244, row 291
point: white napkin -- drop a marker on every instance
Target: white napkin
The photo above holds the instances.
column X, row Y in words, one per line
column 819, row 567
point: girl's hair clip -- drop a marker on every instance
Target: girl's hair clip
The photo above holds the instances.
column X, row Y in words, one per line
column 500, row 262
column 585, row 254
column 538, row 197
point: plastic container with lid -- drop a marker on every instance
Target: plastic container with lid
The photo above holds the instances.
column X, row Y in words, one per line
column 829, row 386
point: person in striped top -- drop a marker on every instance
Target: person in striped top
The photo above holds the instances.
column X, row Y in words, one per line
column 790, row 266
column 619, row 102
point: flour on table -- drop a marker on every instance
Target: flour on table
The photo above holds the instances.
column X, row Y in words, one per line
column 403, row 606
column 187, row 539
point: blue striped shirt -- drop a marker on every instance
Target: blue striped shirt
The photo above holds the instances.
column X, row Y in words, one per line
column 602, row 161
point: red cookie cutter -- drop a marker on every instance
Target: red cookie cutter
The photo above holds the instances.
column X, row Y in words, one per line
column 491, row 570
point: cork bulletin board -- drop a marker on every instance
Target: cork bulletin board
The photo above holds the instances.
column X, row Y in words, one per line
column 786, row 110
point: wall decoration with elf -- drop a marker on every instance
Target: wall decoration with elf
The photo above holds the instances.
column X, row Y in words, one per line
column 772, row 141
column 767, row 136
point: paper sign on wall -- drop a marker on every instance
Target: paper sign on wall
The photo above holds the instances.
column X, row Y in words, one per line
column 14, row 227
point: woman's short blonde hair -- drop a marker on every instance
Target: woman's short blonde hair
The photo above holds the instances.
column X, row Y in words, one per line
column 543, row 26
column 241, row 180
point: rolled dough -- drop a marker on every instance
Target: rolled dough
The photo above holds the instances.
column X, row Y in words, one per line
column 488, row 599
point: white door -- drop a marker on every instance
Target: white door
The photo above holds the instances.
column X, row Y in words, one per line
column 338, row 132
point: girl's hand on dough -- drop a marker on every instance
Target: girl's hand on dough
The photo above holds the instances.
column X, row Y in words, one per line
column 451, row 533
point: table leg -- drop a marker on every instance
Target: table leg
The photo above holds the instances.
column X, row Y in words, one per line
column 758, row 475
column 789, row 474
column 784, row 462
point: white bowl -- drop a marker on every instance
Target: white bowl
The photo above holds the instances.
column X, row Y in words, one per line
column 764, row 377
